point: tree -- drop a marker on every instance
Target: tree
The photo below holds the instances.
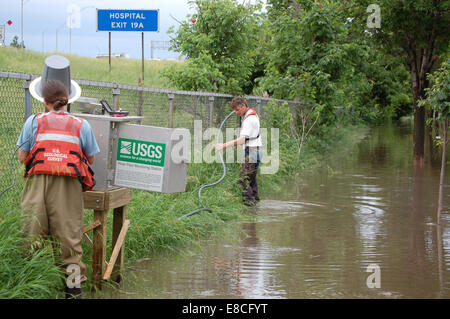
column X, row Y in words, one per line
column 219, row 41
column 317, row 56
column 418, row 31
column 15, row 43
column 305, row 50
column 307, row 56
column 438, row 98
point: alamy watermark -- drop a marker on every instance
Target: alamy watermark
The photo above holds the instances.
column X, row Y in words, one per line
column 74, row 17
column 184, row 142
column 374, row 279
column 374, row 18
column 73, row 273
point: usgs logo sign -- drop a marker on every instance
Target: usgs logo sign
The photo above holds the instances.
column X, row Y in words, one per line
column 141, row 152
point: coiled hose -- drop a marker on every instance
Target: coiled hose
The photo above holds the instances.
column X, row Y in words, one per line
column 213, row 184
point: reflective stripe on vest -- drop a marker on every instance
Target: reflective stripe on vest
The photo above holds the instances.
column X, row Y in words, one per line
column 57, row 137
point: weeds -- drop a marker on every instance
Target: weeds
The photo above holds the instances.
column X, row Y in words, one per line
column 26, row 273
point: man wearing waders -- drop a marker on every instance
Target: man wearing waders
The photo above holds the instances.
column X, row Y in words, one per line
column 250, row 137
column 57, row 148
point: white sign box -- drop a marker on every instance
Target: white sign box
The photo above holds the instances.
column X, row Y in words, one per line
column 143, row 159
column 140, row 164
column 137, row 156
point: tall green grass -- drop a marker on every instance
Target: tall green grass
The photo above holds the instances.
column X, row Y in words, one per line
column 25, row 272
column 124, row 71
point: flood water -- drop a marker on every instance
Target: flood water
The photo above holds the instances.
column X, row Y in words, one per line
column 316, row 238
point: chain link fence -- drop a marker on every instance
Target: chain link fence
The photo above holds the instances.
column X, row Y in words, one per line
column 159, row 107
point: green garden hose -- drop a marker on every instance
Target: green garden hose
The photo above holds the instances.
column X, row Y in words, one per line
column 213, row 184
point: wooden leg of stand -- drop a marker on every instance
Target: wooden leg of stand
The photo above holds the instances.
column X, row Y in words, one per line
column 99, row 248
column 120, row 215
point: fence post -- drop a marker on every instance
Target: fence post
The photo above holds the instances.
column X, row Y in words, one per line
column 171, row 111
column 116, row 94
column 258, row 107
column 211, row 109
column 26, row 86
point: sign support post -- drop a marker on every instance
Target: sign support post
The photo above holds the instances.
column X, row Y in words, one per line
column 109, row 51
column 142, row 56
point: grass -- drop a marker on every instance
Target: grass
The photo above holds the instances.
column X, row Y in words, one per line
column 25, row 273
column 124, row 71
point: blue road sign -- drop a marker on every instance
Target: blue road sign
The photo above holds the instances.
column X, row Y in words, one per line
column 127, row 20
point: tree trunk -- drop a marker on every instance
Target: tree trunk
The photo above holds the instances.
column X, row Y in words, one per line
column 429, row 133
column 441, row 181
column 420, row 64
column 419, row 112
column 419, row 116
column 436, row 123
column 419, row 134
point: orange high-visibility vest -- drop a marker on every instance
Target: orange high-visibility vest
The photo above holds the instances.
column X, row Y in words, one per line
column 252, row 112
column 57, row 150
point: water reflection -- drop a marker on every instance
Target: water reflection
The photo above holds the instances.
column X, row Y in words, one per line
column 315, row 239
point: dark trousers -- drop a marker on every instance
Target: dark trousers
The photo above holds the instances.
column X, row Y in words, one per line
column 247, row 177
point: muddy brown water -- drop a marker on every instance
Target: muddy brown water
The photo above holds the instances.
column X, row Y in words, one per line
column 363, row 226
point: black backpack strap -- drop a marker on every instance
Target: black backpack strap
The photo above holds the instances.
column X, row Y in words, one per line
column 79, row 177
column 83, row 160
column 31, row 162
column 252, row 138
column 79, row 156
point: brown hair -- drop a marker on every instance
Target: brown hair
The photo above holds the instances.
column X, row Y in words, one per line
column 55, row 92
column 238, row 100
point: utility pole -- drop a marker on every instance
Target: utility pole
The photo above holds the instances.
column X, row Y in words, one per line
column 22, row 2
column 21, row 25
column 70, row 35
column 57, row 29
column 75, row 13
column 43, row 39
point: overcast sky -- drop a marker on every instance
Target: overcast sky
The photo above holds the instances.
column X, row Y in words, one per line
column 42, row 18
